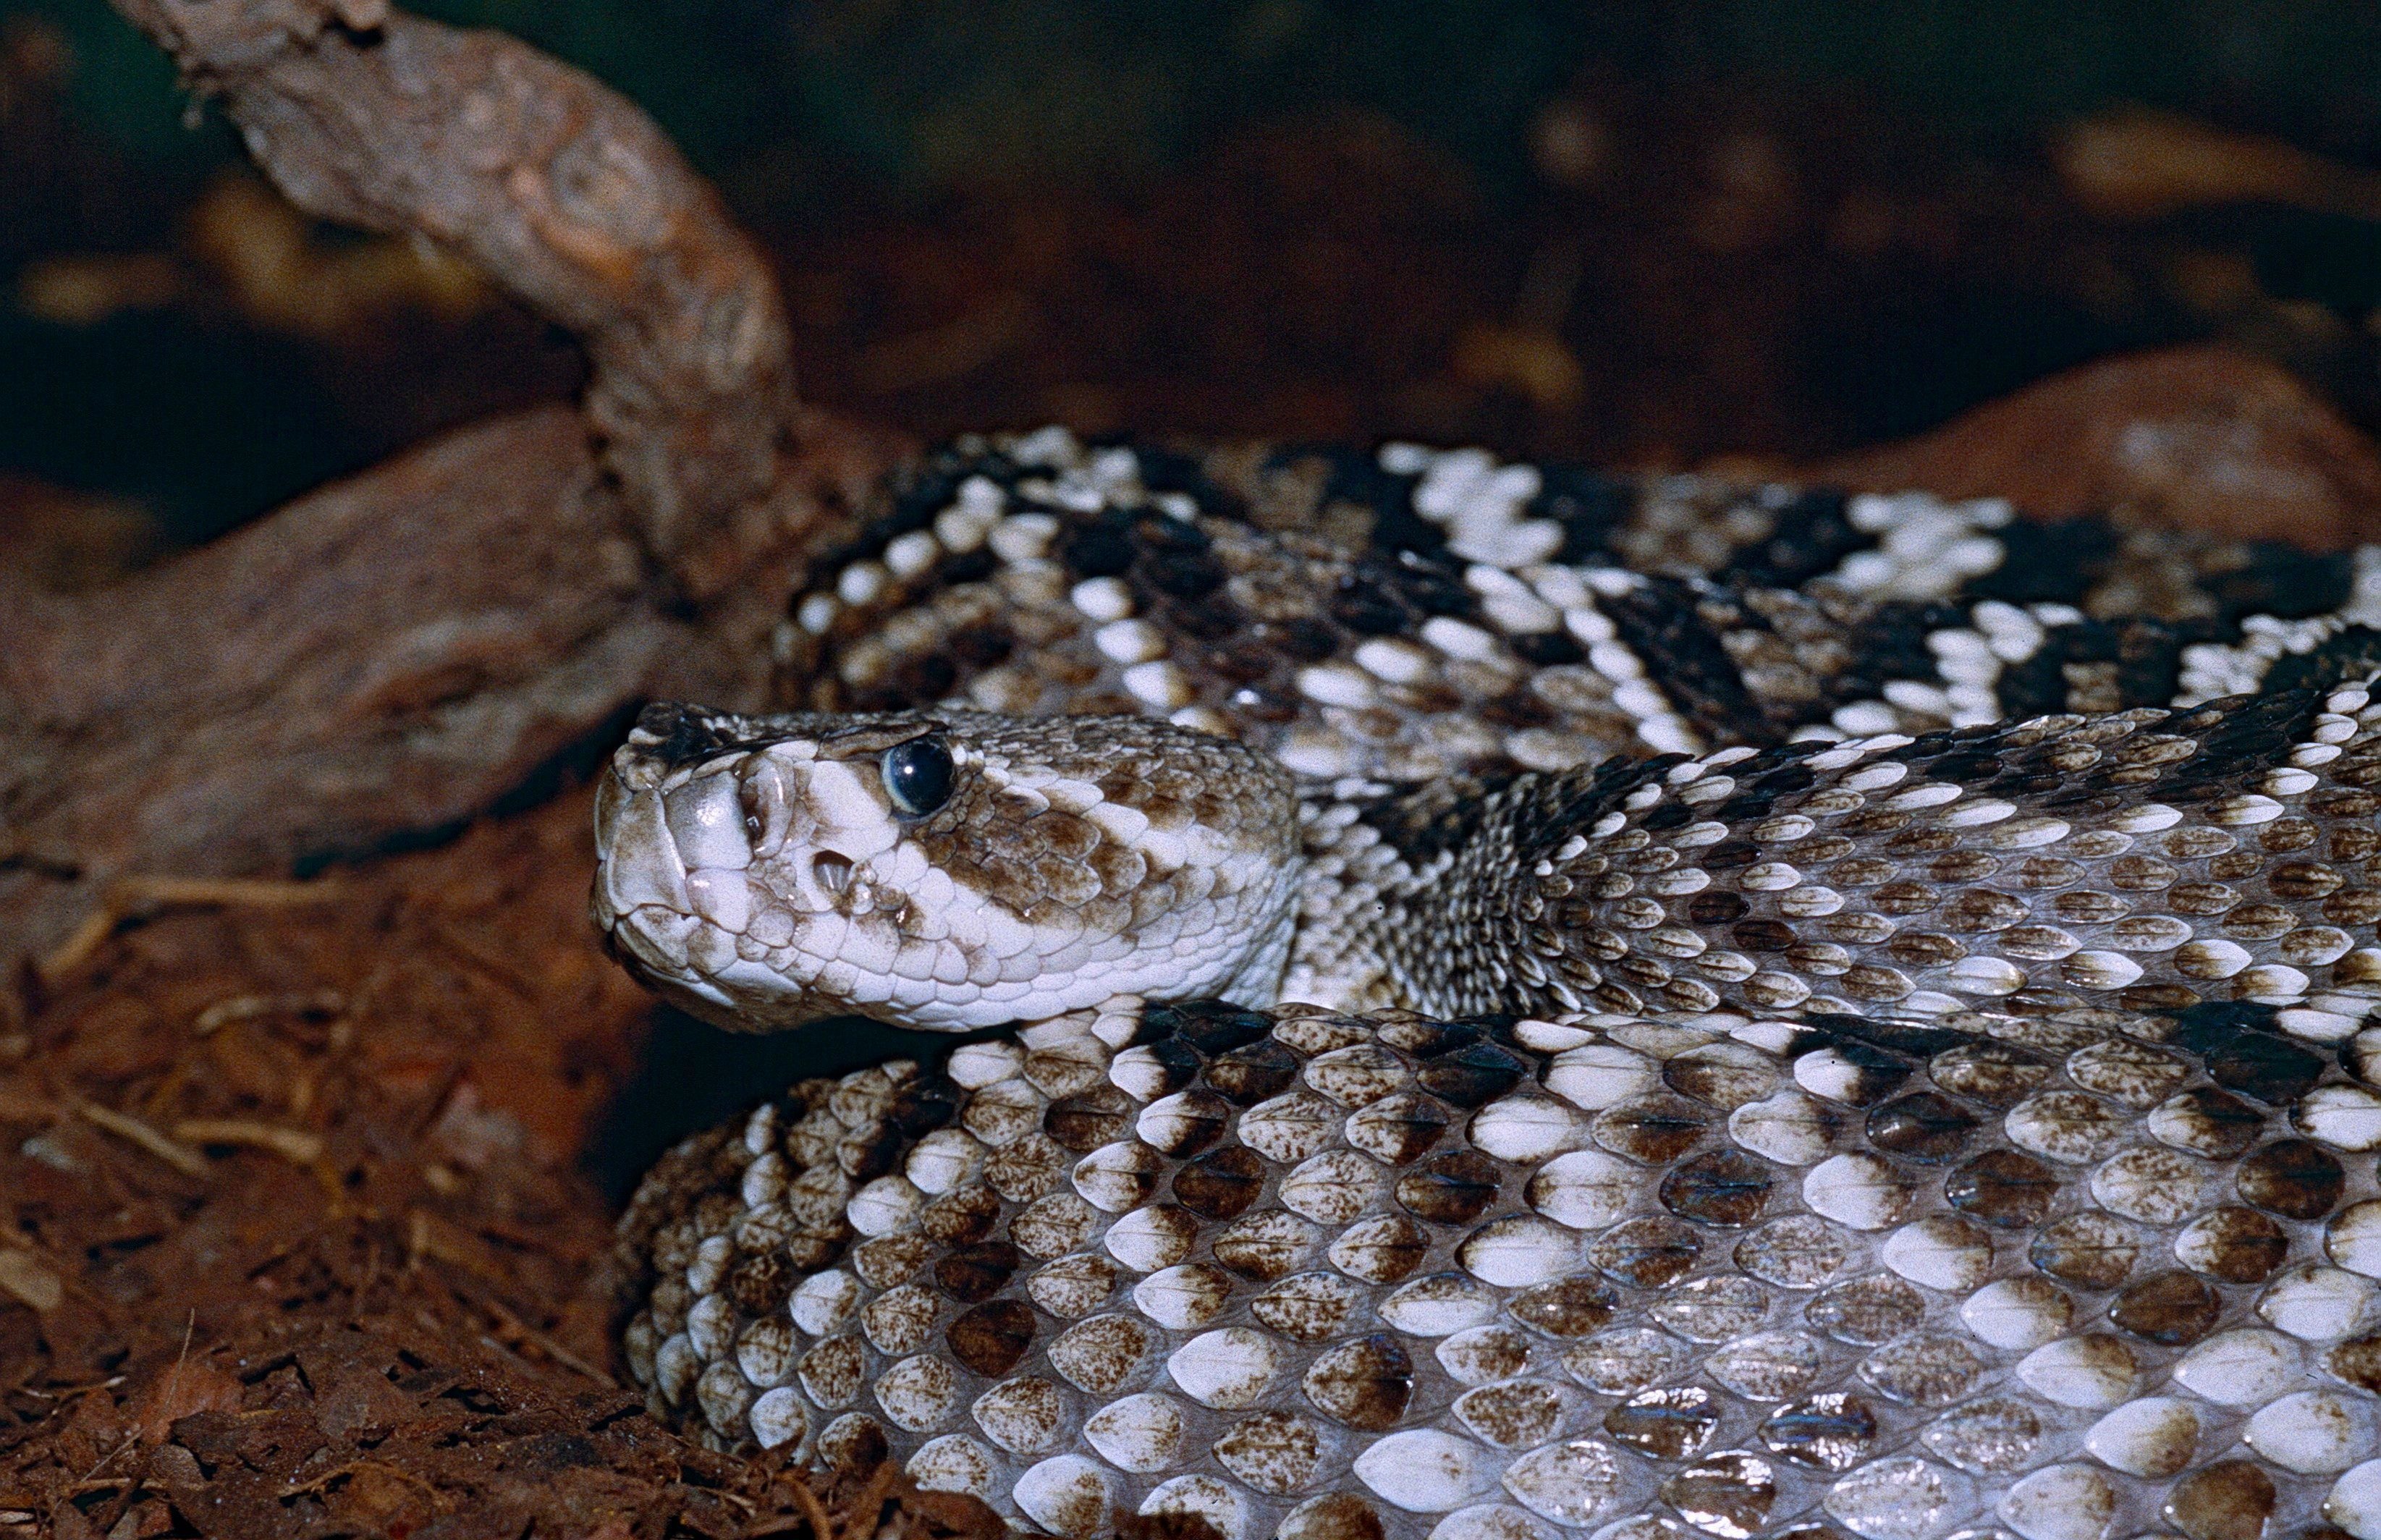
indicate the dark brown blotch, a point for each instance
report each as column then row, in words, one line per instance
column 1875, row 1074
column 1923, row 949
column 1923, row 1125
column 1763, row 935
column 2214, row 1123
column 869, row 1152
column 1924, row 1369
column 1866, row 1311
column 1450, row 1189
column 2264, row 1068
column 1178, row 1064
column 1834, row 1432
column 1221, row 1183
column 1651, row 1131
column 1399, row 1129
column 1730, row 1492
column 1387, row 1249
column 1249, row 1075
column 1668, row 1423
column 1978, row 909
column 1427, row 1039
column 1193, row 1123
column 1717, row 906
column 2174, row 1309
column 1364, row 1384
column 960, row 1218
column 976, row 1272
column 1963, row 869
column 2000, row 1075
column 2356, row 906
column 1570, row 1307
column 2239, row 1245
column 992, row 1338
column 2357, row 1362
column 2229, row 1501
column 1309, row 1307
column 924, row 1105
column 1334, row 1516
column 1472, row 1077
column 760, row 1285
column 2294, row 1178
column 1725, row 1188
column 2090, row 1250
column 2007, row 1188
column 1100, row 1115
column 1646, row 1253
column 1265, row 1245
column 1720, row 1080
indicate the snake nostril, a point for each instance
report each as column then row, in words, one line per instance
column 832, row 872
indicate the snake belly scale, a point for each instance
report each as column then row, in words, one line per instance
column 1509, row 1004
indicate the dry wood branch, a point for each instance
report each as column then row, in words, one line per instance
column 554, row 186
column 383, row 655
column 129, row 897
column 392, row 654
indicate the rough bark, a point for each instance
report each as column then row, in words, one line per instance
column 391, row 655
column 560, row 191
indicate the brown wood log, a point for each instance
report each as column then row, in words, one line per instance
column 388, row 655
column 556, row 188
column 392, row 654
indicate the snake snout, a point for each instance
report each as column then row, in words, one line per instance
column 636, row 861
column 706, row 818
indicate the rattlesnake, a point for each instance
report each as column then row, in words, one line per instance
column 1556, row 1006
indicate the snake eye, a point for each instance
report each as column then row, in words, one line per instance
column 917, row 774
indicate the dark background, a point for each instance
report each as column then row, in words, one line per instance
column 1641, row 234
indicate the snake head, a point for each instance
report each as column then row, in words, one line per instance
column 943, row 870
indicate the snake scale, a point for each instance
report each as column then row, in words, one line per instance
column 1508, row 1004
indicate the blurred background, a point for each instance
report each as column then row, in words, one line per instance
column 1641, row 234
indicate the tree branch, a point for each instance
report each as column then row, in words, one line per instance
column 555, row 188
column 393, row 653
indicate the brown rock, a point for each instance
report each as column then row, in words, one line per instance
column 2197, row 438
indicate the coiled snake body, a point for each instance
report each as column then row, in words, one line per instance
column 1551, row 1007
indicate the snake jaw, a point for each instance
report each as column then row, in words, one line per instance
column 760, row 872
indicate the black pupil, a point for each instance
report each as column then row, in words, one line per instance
column 918, row 775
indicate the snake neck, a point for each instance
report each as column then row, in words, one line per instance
column 2064, row 862
column 1429, row 899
